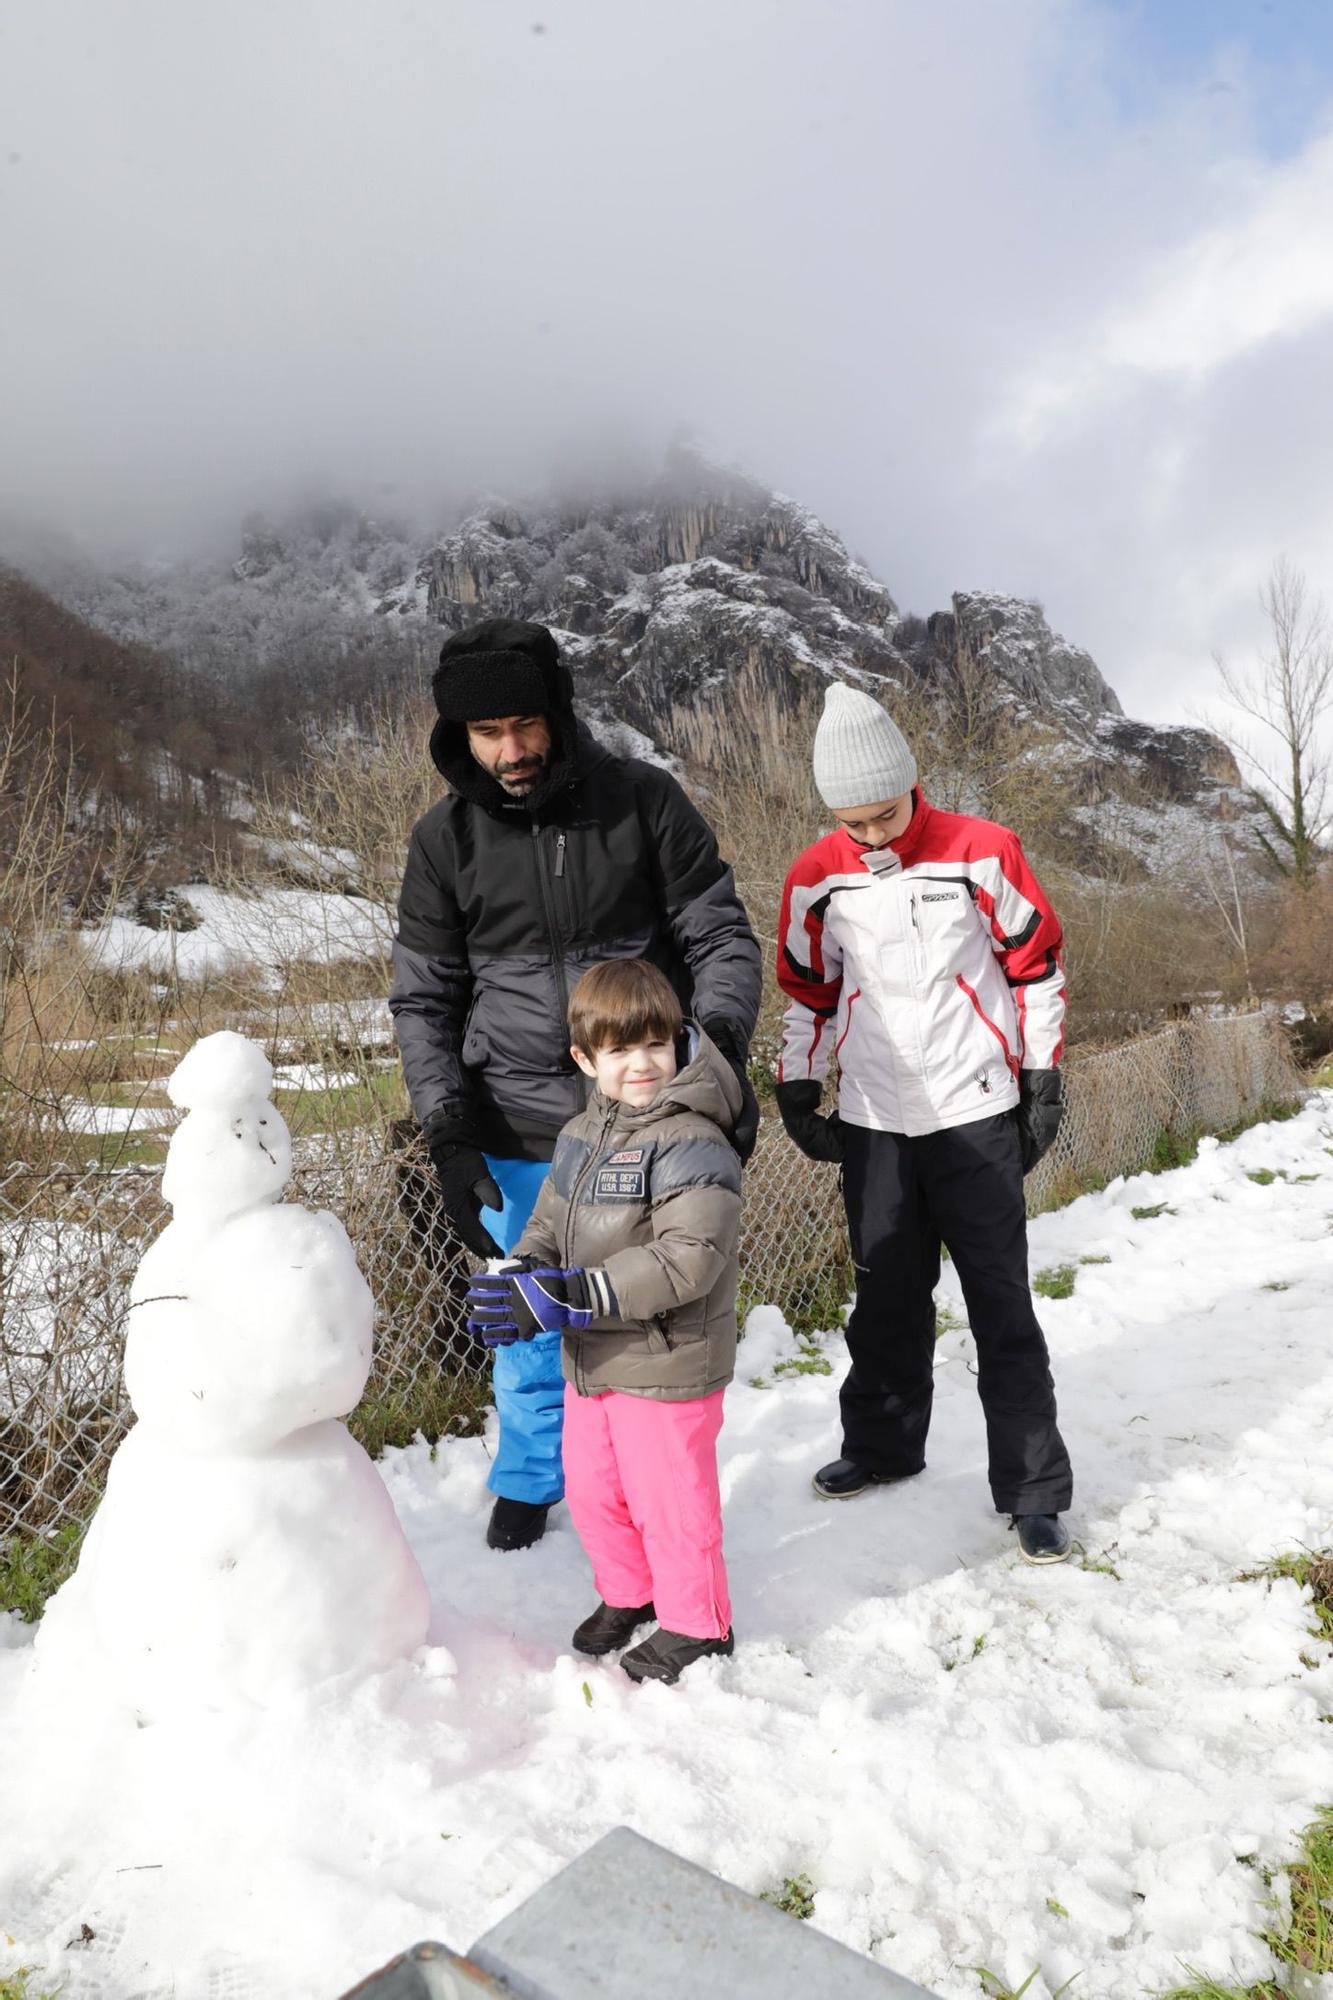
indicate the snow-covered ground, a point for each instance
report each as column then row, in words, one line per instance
column 975, row 1763
column 271, row 930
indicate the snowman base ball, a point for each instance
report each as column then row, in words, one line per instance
column 246, row 1545
column 208, row 1577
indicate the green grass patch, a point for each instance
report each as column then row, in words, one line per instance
column 32, row 1568
column 1055, row 1282
column 14, row 1986
column 948, row 1321
column 810, row 1360
column 369, row 1101
column 1094, row 1260
column 1304, row 1939
column 1100, row 1564
column 996, row 1988
column 1265, row 1176
column 1277, row 1285
column 395, row 1411
column 1312, row 1569
column 125, row 1149
column 1173, row 1149
column 1170, row 1148
column 795, row 1896
column 130, row 1094
column 1150, row 1214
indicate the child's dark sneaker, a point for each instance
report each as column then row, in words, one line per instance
column 664, row 1655
column 515, row 1524
column 610, row 1626
column 1042, row 1538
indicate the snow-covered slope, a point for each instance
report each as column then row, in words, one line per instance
column 1084, row 1769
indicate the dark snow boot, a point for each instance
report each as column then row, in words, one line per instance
column 515, row 1524
column 609, row 1628
column 1042, row 1538
column 664, row 1655
column 844, row 1479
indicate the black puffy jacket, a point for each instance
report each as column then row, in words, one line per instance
column 506, row 903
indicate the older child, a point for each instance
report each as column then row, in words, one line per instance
column 918, row 948
column 631, row 1252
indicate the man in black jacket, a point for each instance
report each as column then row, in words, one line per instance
column 547, row 855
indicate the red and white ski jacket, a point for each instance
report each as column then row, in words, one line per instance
column 929, row 968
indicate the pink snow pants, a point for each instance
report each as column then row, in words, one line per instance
column 641, row 1484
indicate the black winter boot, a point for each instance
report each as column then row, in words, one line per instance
column 610, row 1627
column 1042, row 1538
column 843, row 1479
column 515, row 1524
column 664, row 1655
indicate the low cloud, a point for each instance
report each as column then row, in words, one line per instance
column 918, row 266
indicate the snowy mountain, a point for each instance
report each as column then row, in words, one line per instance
column 668, row 599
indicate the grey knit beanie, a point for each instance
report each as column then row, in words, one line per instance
column 861, row 755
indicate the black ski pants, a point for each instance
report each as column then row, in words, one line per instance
column 904, row 1197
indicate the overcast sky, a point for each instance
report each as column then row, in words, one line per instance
column 1025, row 295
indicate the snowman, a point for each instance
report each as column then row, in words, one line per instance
column 246, row 1545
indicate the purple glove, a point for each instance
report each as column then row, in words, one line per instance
column 491, row 1317
column 516, row 1304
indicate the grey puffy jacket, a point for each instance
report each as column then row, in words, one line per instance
column 653, row 1198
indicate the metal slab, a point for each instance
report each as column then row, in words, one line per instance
column 428, row 1972
column 629, row 1919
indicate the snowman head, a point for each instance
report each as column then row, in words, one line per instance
column 233, row 1150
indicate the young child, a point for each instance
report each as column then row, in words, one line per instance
column 631, row 1251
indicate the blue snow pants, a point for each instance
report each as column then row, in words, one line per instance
column 529, row 1387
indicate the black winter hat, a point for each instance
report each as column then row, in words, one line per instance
column 501, row 667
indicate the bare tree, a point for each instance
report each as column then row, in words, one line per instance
column 1287, row 695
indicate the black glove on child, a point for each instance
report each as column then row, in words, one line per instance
column 1041, row 1106
column 728, row 1043
column 466, row 1186
column 819, row 1138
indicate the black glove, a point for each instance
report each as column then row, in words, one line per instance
column 1041, row 1106
column 466, row 1186
column 729, row 1043
column 819, row 1138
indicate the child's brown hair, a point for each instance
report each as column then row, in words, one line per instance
column 623, row 1000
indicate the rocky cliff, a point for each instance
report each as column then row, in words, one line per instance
column 668, row 600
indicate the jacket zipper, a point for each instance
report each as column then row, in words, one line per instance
column 918, row 942
column 917, row 966
column 580, row 1377
column 553, row 936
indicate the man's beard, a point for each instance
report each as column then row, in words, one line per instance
column 529, row 770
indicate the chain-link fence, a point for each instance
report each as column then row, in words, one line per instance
column 70, row 1243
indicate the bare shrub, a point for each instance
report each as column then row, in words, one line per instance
column 57, row 867
column 1286, row 697
column 342, row 820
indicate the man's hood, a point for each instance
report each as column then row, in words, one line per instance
column 574, row 750
column 448, row 739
